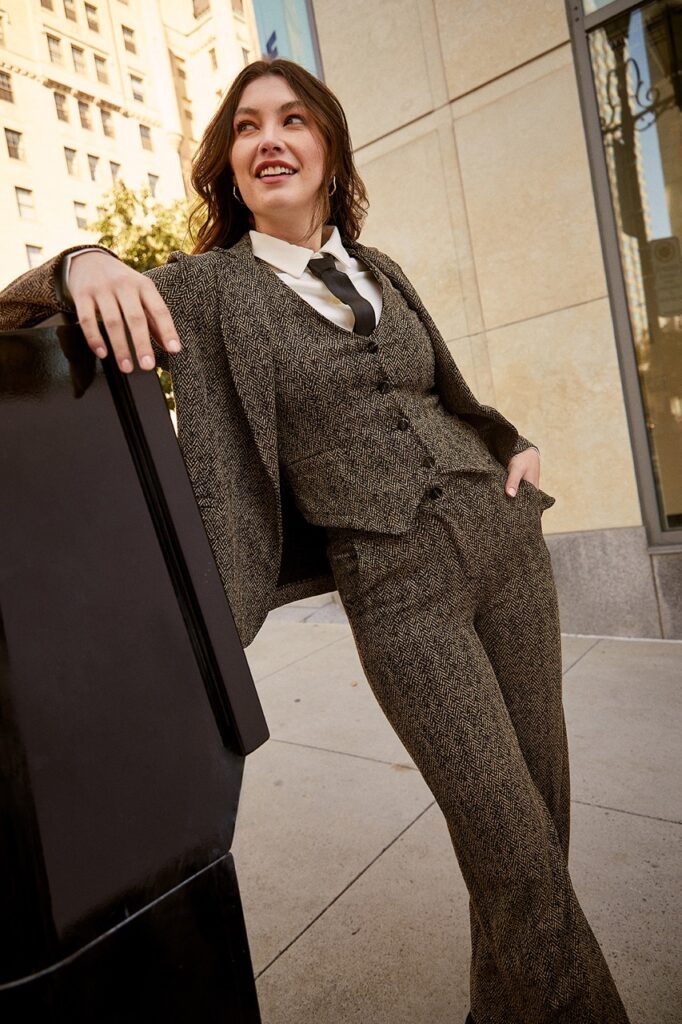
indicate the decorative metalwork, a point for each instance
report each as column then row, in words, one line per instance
column 648, row 100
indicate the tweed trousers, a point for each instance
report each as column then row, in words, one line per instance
column 457, row 628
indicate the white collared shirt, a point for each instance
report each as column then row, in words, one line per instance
column 290, row 263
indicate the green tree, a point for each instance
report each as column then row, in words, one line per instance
column 143, row 232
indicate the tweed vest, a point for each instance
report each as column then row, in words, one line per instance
column 362, row 432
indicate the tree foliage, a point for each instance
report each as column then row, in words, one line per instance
column 141, row 231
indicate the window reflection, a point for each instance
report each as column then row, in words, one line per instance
column 637, row 67
column 590, row 6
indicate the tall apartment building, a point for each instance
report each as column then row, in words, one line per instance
column 93, row 92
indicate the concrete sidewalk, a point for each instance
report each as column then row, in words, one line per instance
column 354, row 902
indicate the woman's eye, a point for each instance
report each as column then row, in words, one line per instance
column 245, row 124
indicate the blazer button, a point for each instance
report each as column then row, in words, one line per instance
column 435, row 492
column 372, row 346
column 403, row 423
column 384, row 386
column 428, row 461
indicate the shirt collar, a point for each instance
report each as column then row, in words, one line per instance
column 293, row 259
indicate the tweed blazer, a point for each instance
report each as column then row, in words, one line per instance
column 225, row 312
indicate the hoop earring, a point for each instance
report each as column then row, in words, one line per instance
column 238, row 198
column 334, row 184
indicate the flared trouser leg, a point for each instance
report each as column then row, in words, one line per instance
column 456, row 625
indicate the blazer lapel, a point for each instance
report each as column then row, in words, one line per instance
column 454, row 391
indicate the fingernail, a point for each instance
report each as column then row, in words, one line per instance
column 147, row 362
column 512, row 491
column 101, row 352
column 174, row 345
column 126, row 366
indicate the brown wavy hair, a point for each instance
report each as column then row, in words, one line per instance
column 223, row 219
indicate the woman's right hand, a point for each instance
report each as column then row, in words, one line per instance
column 122, row 296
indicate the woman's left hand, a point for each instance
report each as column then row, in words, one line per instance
column 524, row 466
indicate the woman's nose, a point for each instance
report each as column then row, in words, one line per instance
column 269, row 142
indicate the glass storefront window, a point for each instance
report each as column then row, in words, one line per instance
column 637, row 69
column 590, row 6
column 285, row 30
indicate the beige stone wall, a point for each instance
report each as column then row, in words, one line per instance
column 468, row 133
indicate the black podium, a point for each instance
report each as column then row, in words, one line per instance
column 126, row 707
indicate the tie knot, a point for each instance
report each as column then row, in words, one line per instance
column 319, row 264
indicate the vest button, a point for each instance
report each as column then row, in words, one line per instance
column 372, row 346
column 384, row 386
column 435, row 492
column 428, row 461
column 403, row 423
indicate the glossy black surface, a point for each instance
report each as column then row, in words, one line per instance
column 183, row 959
column 126, row 700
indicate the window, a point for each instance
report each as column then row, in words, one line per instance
column 101, row 210
column 25, row 202
column 70, row 157
column 47, row 4
column 213, row 58
column 128, row 39
column 180, row 67
column 61, row 107
column 91, row 15
column 93, row 161
column 246, row 56
column 101, row 69
column 153, row 180
column 136, row 84
column 6, row 87
column 80, row 210
column 34, row 255
column 238, row 7
column 15, row 144
column 630, row 89
column 114, row 168
column 70, row 10
column 200, row 7
column 54, row 48
column 78, row 56
column 107, row 123
column 84, row 114
column 146, row 136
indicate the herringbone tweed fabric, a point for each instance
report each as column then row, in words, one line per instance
column 227, row 311
column 457, row 627
column 451, row 600
column 361, row 428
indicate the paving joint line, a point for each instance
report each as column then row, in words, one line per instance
column 622, row 810
column 343, row 753
column 303, row 657
column 345, row 889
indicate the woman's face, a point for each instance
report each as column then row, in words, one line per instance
column 273, row 128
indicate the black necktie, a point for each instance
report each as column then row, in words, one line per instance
column 341, row 285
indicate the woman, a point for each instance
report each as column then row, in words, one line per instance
column 332, row 442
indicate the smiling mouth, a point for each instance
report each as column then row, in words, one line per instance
column 275, row 177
